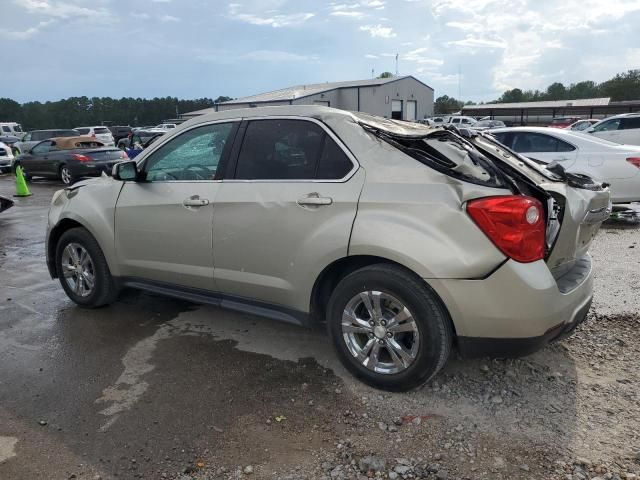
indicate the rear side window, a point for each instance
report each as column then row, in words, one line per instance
column 630, row 123
column 334, row 163
column 101, row 130
column 37, row 136
column 280, row 150
column 537, row 142
column 83, row 131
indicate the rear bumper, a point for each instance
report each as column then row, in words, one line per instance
column 517, row 309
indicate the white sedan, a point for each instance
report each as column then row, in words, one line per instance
column 618, row 165
column 6, row 158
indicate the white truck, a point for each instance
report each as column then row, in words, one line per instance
column 11, row 129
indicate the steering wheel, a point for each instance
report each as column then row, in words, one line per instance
column 187, row 171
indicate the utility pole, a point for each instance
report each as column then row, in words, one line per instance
column 373, row 75
column 396, row 64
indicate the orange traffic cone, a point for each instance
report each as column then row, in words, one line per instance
column 21, row 184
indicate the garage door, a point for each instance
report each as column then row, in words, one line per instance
column 411, row 110
column 396, row 109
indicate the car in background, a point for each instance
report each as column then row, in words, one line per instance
column 36, row 136
column 119, row 131
column 617, row 165
column 563, row 122
column 6, row 158
column 582, row 125
column 296, row 219
column 487, row 124
column 623, row 128
column 140, row 137
column 9, row 140
column 165, row 126
column 69, row 158
column 101, row 134
column 11, row 129
column 460, row 121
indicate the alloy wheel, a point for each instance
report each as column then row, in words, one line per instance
column 380, row 332
column 78, row 270
column 65, row 175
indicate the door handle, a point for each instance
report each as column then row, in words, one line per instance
column 315, row 200
column 195, row 201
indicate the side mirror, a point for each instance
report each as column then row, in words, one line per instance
column 125, row 171
column 589, row 130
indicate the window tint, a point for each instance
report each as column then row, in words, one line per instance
column 629, row 123
column 279, row 149
column 6, row 129
column 82, row 131
column 101, row 130
column 42, row 135
column 538, row 142
column 502, row 138
column 607, row 126
column 41, row 148
column 334, row 163
column 192, row 155
column 17, row 128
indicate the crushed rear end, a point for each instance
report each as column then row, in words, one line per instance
column 524, row 302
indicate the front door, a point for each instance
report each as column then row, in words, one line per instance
column 163, row 224
column 609, row 130
column 285, row 213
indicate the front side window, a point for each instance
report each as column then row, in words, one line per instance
column 17, row 128
column 280, row 150
column 192, row 155
column 607, row 126
column 6, row 129
column 27, row 137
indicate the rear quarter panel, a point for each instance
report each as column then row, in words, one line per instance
column 414, row 215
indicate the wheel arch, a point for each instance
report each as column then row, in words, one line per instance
column 332, row 274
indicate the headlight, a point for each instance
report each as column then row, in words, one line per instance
column 56, row 197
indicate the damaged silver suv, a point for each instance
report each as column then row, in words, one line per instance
column 406, row 240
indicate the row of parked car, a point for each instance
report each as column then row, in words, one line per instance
column 69, row 154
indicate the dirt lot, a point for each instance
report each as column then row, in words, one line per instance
column 157, row 388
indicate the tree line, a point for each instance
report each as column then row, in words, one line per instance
column 623, row 86
column 85, row 111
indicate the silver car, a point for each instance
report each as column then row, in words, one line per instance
column 406, row 240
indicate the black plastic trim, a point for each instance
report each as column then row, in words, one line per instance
column 474, row 347
column 231, row 302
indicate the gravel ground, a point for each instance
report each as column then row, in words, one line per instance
column 570, row 412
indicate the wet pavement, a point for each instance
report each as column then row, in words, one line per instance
column 153, row 387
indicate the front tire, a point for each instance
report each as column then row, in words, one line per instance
column 83, row 271
column 389, row 328
column 66, row 176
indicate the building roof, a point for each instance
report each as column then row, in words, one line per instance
column 582, row 102
column 300, row 91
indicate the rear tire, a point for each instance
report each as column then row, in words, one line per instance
column 83, row 271
column 66, row 176
column 389, row 328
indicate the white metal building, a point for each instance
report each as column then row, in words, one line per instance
column 405, row 98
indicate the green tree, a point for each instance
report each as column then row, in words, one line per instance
column 446, row 104
column 385, row 75
column 556, row 91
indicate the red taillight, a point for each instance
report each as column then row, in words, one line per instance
column 123, row 154
column 635, row 161
column 515, row 224
column 81, row 158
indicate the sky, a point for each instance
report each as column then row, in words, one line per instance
column 55, row 49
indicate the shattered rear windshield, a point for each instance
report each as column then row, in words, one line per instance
column 447, row 153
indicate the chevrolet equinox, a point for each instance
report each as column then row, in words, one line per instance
column 406, row 240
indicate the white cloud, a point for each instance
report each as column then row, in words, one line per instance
column 276, row 20
column 168, row 18
column 24, row 34
column 141, row 15
column 347, row 13
column 60, row 9
column 378, row 31
column 418, row 56
column 276, row 56
column 368, row 55
column 474, row 41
